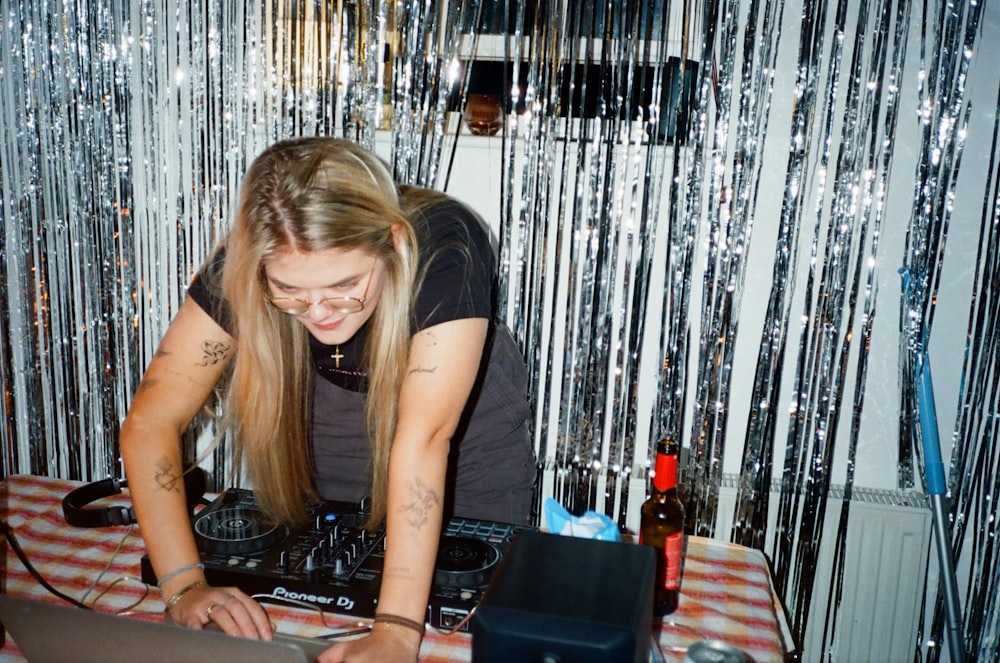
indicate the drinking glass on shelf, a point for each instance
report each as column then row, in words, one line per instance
column 483, row 114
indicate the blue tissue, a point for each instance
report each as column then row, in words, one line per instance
column 589, row 525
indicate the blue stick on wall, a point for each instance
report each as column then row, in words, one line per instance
column 937, row 491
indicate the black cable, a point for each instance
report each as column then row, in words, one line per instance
column 9, row 534
column 361, row 630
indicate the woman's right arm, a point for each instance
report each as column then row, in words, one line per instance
column 185, row 369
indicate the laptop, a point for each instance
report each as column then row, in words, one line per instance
column 52, row 632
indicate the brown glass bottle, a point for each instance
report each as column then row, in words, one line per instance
column 662, row 527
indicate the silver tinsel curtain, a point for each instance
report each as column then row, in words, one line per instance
column 702, row 207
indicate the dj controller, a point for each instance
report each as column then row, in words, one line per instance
column 334, row 563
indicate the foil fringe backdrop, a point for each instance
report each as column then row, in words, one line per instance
column 127, row 128
column 948, row 46
column 974, row 479
column 846, row 216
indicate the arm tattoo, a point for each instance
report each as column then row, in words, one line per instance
column 422, row 500
column 167, row 478
column 430, row 341
column 401, row 572
column 214, row 352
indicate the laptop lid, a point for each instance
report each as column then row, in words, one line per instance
column 52, row 632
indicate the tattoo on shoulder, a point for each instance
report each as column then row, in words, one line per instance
column 214, row 352
column 428, row 340
column 422, row 499
column 167, row 478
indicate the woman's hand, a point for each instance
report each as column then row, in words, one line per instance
column 387, row 643
column 229, row 609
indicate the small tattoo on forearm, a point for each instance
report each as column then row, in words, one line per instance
column 215, row 352
column 422, row 369
column 399, row 572
column 167, row 478
column 422, row 500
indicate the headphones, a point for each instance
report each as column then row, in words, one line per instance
column 76, row 513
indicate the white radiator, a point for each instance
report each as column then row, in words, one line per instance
column 888, row 537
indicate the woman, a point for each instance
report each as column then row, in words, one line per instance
column 352, row 322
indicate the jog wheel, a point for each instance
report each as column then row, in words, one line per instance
column 464, row 562
column 236, row 530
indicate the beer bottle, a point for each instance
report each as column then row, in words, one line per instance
column 662, row 527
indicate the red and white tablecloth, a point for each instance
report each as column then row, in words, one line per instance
column 726, row 593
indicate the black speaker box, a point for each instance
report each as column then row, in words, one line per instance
column 559, row 599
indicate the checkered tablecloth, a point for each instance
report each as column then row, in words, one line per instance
column 726, row 591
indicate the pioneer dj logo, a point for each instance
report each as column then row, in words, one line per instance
column 341, row 602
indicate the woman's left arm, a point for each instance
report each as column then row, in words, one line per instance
column 444, row 362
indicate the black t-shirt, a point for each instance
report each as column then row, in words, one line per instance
column 455, row 280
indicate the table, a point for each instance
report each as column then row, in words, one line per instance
column 726, row 590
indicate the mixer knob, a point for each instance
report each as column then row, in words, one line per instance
column 338, row 567
column 283, row 560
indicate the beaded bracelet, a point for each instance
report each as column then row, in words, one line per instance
column 388, row 618
column 177, row 572
column 184, row 590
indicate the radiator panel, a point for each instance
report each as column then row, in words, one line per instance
column 887, row 543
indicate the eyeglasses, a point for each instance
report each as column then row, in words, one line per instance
column 293, row 306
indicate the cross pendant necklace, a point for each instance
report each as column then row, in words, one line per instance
column 336, row 357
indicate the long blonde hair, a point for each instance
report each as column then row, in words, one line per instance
column 312, row 194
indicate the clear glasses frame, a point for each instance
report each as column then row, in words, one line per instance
column 343, row 304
